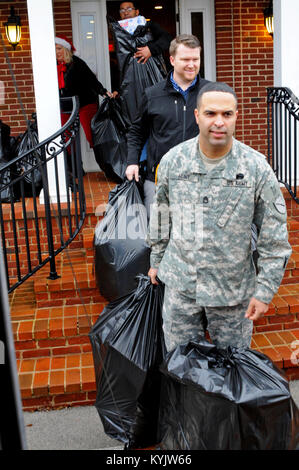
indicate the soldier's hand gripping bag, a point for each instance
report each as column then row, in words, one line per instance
column 109, row 129
column 128, row 347
column 120, row 248
column 233, row 399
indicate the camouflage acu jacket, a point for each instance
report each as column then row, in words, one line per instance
column 200, row 226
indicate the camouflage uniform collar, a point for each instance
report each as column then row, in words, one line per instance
column 227, row 167
column 198, row 165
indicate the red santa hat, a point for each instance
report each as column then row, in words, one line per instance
column 65, row 42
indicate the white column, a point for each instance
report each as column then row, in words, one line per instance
column 286, row 62
column 286, row 69
column 41, row 27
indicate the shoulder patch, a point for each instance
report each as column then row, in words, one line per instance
column 280, row 205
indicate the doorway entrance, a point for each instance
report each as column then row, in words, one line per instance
column 165, row 16
column 176, row 17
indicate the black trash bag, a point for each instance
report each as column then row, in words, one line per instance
column 233, row 399
column 6, row 192
column 4, row 141
column 32, row 176
column 134, row 76
column 128, row 347
column 7, row 153
column 109, row 129
column 120, row 249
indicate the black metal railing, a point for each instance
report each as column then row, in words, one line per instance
column 34, row 232
column 283, row 122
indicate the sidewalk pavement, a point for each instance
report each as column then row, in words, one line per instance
column 79, row 428
column 74, row 428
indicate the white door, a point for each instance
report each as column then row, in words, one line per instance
column 198, row 17
column 90, row 39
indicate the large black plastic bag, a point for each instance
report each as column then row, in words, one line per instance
column 128, row 347
column 234, row 399
column 6, row 192
column 29, row 164
column 7, row 153
column 134, row 76
column 109, row 139
column 120, row 249
column 5, row 176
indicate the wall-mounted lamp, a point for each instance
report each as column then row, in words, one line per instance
column 269, row 18
column 13, row 28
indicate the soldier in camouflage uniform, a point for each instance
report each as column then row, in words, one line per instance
column 210, row 190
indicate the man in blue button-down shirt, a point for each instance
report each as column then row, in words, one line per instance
column 167, row 113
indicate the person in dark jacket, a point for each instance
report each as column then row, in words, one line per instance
column 139, row 45
column 167, row 113
column 75, row 78
column 161, row 38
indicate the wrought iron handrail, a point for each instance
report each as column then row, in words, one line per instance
column 34, row 234
column 283, row 122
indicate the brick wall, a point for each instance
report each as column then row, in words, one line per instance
column 10, row 110
column 244, row 51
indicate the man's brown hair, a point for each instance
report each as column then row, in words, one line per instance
column 188, row 40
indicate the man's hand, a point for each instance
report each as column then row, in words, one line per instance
column 112, row 95
column 143, row 54
column 153, row 275
column 256, row 309
column 132, row 171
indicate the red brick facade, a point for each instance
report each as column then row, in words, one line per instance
column 10, row 111
column 244, row 59
column 244, row 55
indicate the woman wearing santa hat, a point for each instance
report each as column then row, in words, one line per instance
column 76, row 79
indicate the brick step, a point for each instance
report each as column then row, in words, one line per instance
column 88, row 244
column 53, row 346
column 76, row 282
column 283, row 313
column 282, row 347
column 57, row 381
column 54, row 331
column 291, row 275
column 77, row 244
column 69, row 379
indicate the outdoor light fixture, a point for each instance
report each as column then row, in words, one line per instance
column 269, row 18
column 13, row 28
column 158, row 7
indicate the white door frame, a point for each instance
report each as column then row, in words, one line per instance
column 98, row 8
